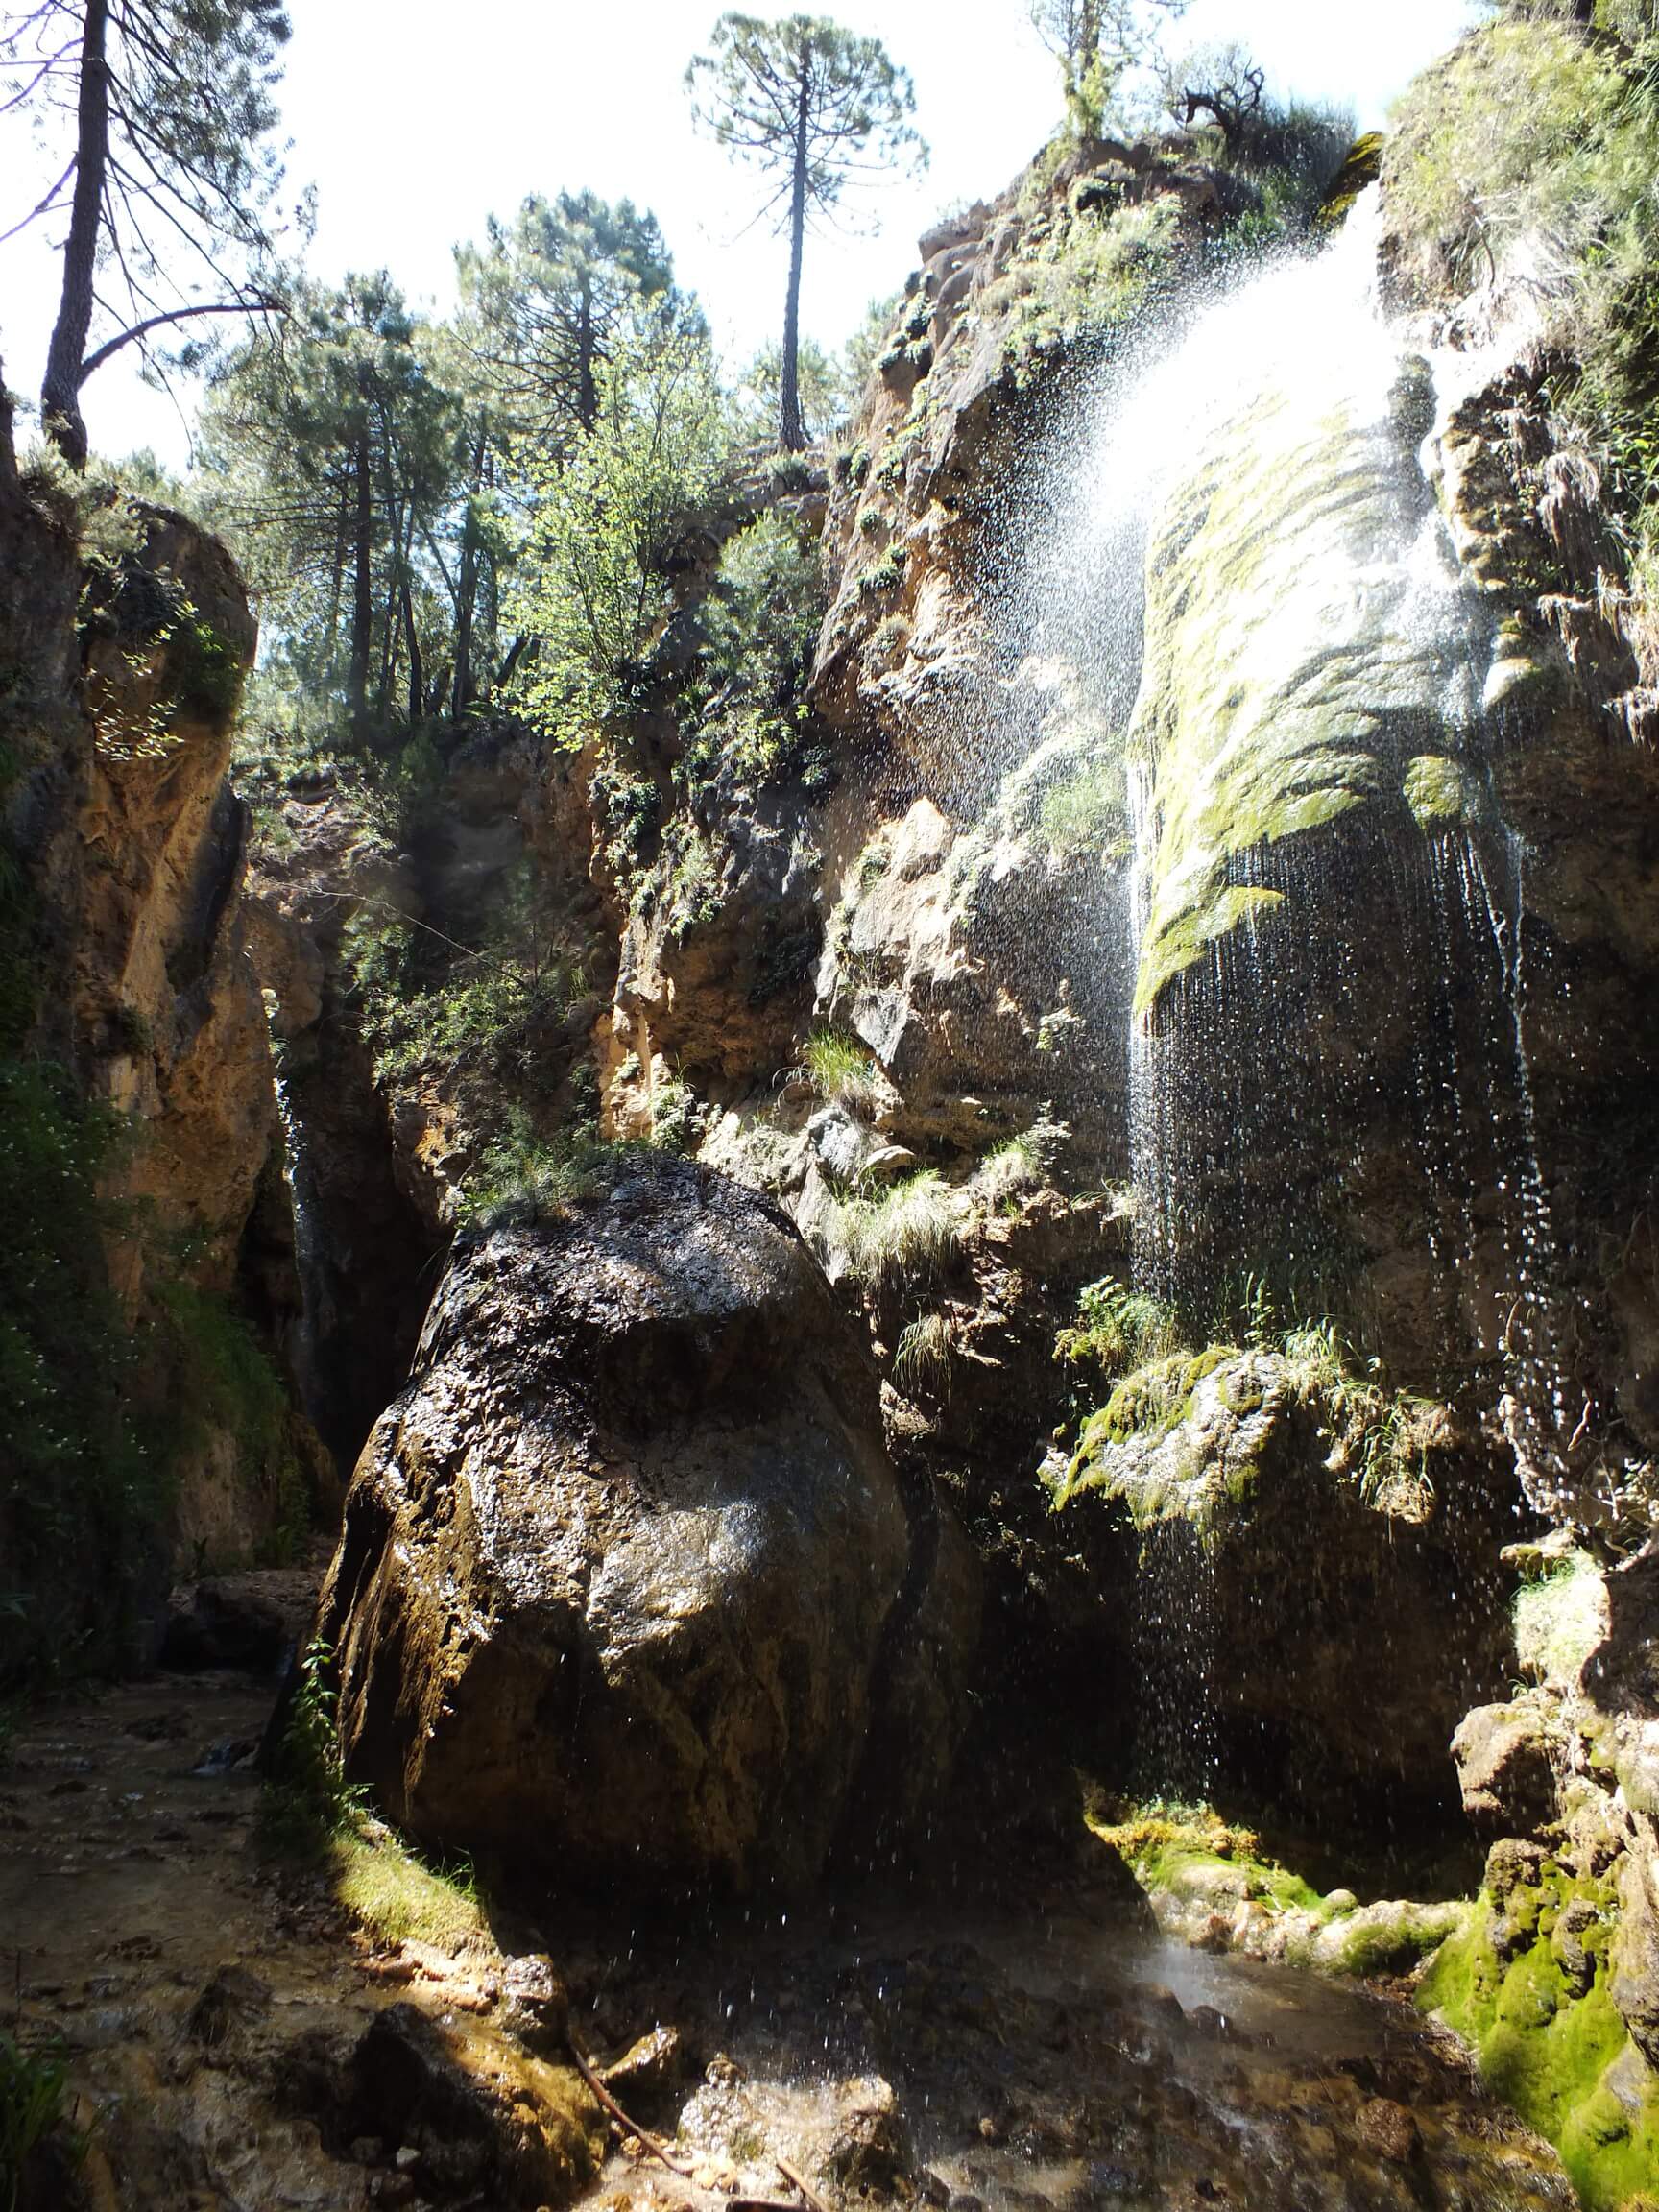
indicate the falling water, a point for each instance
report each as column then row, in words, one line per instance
column 1239, row 1086
column 308, row 1263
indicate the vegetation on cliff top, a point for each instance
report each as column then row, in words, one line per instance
column 1529, row 154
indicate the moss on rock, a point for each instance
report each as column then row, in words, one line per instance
column 1524, row 1980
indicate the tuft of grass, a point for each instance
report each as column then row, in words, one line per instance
column 1022, row 1166
column 400, row 1898
column 1560, row 1619
column 926, row 1356
column 906, row 1235
column 841, row 1069
column 34, row 2105
column 521, row 1180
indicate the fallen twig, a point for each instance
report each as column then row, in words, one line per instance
column 814, row 2202
column 640, row 2134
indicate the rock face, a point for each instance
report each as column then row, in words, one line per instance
column 626, row 1575
column 1301, row 1626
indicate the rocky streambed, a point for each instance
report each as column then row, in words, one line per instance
column 242, row 2029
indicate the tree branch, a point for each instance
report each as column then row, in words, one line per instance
column 264, row 304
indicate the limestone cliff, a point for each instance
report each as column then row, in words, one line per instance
column 146, row 1427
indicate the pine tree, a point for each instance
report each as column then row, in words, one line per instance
column 164, row 110
column 817, row 107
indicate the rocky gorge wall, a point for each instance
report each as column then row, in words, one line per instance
column 1162, row 1047
column 150, row 1250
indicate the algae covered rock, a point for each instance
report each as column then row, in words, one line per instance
column 1320, row 1597
column 627, row 1583
column 1506, row 1767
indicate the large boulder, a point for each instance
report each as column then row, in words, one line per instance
column 627, row 1581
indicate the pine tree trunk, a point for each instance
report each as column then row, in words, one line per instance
column 467, row 584
column 587, row 388
column 61, row 392
column 790, row 432
column 362, row 593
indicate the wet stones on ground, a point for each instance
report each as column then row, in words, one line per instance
column 235, row 2039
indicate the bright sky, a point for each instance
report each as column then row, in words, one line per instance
column 416, row 119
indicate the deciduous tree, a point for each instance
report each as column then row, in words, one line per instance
column 1097, row 44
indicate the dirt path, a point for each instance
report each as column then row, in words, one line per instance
column 239, row 2041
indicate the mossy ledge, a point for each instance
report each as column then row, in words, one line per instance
column 1524, row 1980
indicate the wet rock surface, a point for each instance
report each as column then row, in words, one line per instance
column 236, row 2038
column 627, row 1577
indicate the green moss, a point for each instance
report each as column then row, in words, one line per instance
column 1545, row 2049
column 1560, row 1619
column 1440, row 792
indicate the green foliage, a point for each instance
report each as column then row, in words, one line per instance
column 81, row 1489
column 841, row 1069
column 34, row 2105
column 221, row 1378
column 1379, row 1439
column 309, row 1801
column 400, row 1898
column 1092, row 273
column 594, row 591
column 1159, row 1839
column 550, row 295
column 816, row 108
column 924, row 1361
column 825, row 398
column 747, row 699
column 1560, row 1618
column 907, row 1234
column 1117, row 1328
column 1536, row 146
column 674, row 1124
column 332, row 458
column 1020, row 1166
column 522, row 1179
column 1099, row 45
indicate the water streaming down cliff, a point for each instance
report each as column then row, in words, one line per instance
column 1325, row 1019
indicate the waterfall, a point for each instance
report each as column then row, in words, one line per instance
column 308, row 1261
column 1252, row 575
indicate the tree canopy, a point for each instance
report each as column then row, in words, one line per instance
column 817, row 108
column 160, row 112
column 1097, row 44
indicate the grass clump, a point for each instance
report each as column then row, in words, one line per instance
column 842, row 1069
column 312, row 1815
column 924, row 1362
column 521, row 1179
column 400, row 1898
column 35, row 2107
column 1560, row 1618
column 907, row 1234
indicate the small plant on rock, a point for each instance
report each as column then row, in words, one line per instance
column 926, row 1356
column 906, row 1236
column 841, row 1069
